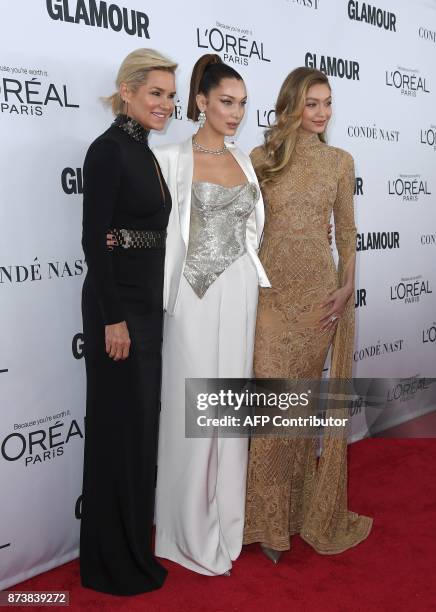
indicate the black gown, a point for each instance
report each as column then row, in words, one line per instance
column 121, row 190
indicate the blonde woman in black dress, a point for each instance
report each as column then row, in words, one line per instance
column 122, row 321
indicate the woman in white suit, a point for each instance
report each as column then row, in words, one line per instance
column 212, row 276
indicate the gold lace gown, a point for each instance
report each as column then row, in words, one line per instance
column 289, row 491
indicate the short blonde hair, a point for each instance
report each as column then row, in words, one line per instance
column 134, row 72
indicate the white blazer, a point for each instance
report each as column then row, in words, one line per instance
column 177, row 165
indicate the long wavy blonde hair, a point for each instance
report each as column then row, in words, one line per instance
column 281, row 137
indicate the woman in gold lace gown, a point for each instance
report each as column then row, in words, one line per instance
column 309, row 307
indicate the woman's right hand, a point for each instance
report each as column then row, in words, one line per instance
column 117, row 341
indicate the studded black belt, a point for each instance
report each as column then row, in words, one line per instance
column 140, row 239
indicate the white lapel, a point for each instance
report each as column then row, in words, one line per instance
column 185, row 173
column 249, row 172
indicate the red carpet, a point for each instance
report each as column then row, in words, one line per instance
column 392, row 480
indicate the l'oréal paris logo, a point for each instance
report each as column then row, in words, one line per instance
column 408, row 82
column 236, row 45
column 31, row 97
column 40, row 440
column 429, row 334
column 409, row 187
column 410, row 290
column 265, row 117
column 428, row 137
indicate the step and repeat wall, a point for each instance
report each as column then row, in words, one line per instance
column 57, row 58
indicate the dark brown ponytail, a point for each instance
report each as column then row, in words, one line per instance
column 207, row 73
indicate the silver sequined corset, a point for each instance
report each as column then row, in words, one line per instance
column 217, row 235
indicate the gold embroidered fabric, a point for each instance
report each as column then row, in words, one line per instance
column 289, row 491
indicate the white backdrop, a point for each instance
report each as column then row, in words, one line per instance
column 56, row 59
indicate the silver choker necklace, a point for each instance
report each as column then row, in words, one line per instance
column 198, row 147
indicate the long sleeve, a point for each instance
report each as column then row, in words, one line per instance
column 343, row 210
column 345, row 235
column 102, row 174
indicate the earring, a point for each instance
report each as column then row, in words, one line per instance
column 202, row 119
column 126, row 107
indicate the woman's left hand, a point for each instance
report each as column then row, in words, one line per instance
column 335, row 307
column 111, row 241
